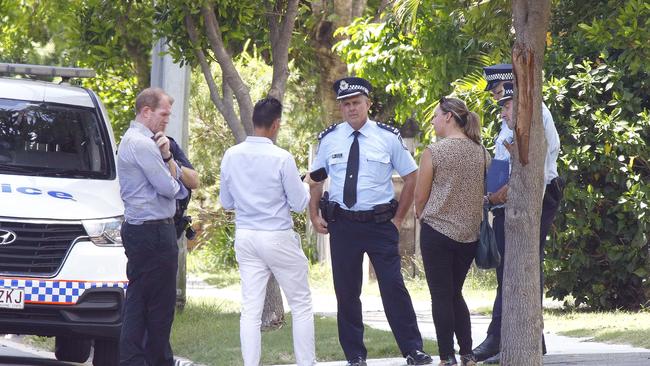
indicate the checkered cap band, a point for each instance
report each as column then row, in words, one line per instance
column 499, row 76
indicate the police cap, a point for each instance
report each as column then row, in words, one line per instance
column 496, row 73
column 351, row 86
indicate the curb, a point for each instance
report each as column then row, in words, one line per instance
column 17, row 344
column 180, row 361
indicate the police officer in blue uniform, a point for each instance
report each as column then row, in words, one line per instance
column 362, row 216
column 499, row 78
column 190, row 179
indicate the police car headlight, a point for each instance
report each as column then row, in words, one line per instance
column 104, row 232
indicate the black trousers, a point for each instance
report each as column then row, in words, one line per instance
column 349, row 240
column 152, row 255
column 550, row 205
column 446, row 263
column 498, row 224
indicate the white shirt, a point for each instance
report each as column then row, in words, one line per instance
column 552, row 147
column 260, row 181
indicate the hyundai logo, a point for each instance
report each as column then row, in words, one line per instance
column 7, row 237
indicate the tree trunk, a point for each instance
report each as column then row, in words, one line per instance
column 331, row 15
column 273, row 313
column 522, row 317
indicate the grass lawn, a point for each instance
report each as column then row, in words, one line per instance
column 609, row 327
column 479, row 289
column 207, row 331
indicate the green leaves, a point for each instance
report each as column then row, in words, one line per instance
column 601, row 230
column 419, row 46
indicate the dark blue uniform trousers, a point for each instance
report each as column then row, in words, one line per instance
column 152, row 255
column 552, row 197
column 349, row 240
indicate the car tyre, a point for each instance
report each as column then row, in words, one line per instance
column 71, row 349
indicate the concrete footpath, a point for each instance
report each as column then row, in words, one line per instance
column 562, row 350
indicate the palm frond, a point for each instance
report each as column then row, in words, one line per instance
column 406, row 13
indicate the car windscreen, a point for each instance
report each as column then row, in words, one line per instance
column 52, row 140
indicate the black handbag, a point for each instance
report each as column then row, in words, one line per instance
column 487, row 252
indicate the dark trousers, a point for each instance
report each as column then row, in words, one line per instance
column 498, row 223
column 446, row 263
column 550, row 205
column 349, row 240
column 152, row 255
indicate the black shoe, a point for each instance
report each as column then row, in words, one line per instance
column 417, row 357
column 448, row 361
column 543, row 345
column 494, row 360
column 357, row 361
column 488, row 348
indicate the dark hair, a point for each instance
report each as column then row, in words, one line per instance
column 468, row 121
column 151, row 97
column 266, row 111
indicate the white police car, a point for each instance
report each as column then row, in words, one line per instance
column 62, row 265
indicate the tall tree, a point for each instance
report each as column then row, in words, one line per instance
column 200, row 33
column 331, row 15
column 522, row 312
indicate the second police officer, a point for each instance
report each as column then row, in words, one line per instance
column 500, row 83
column 362, row 216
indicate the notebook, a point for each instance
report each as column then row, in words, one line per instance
column 498, row 174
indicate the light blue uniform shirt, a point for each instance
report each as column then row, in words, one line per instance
column 500, row 151
column 147, row 187
column 260, row 181
column 380, row 151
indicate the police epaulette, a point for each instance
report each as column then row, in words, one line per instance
column 327, row 130
column 390, row 128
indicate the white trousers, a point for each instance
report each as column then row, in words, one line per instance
column 260, row 253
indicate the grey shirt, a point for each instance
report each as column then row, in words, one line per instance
column 147, row 187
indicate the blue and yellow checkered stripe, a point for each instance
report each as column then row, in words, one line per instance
column 39, row 291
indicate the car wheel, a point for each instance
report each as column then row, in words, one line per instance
column 71, row 349
column 107, row 352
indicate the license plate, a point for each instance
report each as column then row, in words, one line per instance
column 12, row 298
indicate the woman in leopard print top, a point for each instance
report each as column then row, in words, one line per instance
column 448, row 200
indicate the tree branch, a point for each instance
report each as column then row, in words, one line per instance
column 228, row 69
column 272, row 17
column 224, row 106
column 280, row 43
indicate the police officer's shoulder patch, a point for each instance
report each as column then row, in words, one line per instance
column 393, row 130
column 329, row 129
column 390, row 128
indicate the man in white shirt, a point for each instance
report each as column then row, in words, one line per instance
column 260, row 181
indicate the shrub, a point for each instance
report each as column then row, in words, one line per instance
column 598, row 250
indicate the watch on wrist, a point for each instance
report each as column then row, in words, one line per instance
column 170, row 157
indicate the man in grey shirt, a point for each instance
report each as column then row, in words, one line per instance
column 150, row 183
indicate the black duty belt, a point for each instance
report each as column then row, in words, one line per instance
column 168, row 220
column 359, row 216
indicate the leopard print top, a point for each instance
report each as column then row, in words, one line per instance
column 455, row 205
